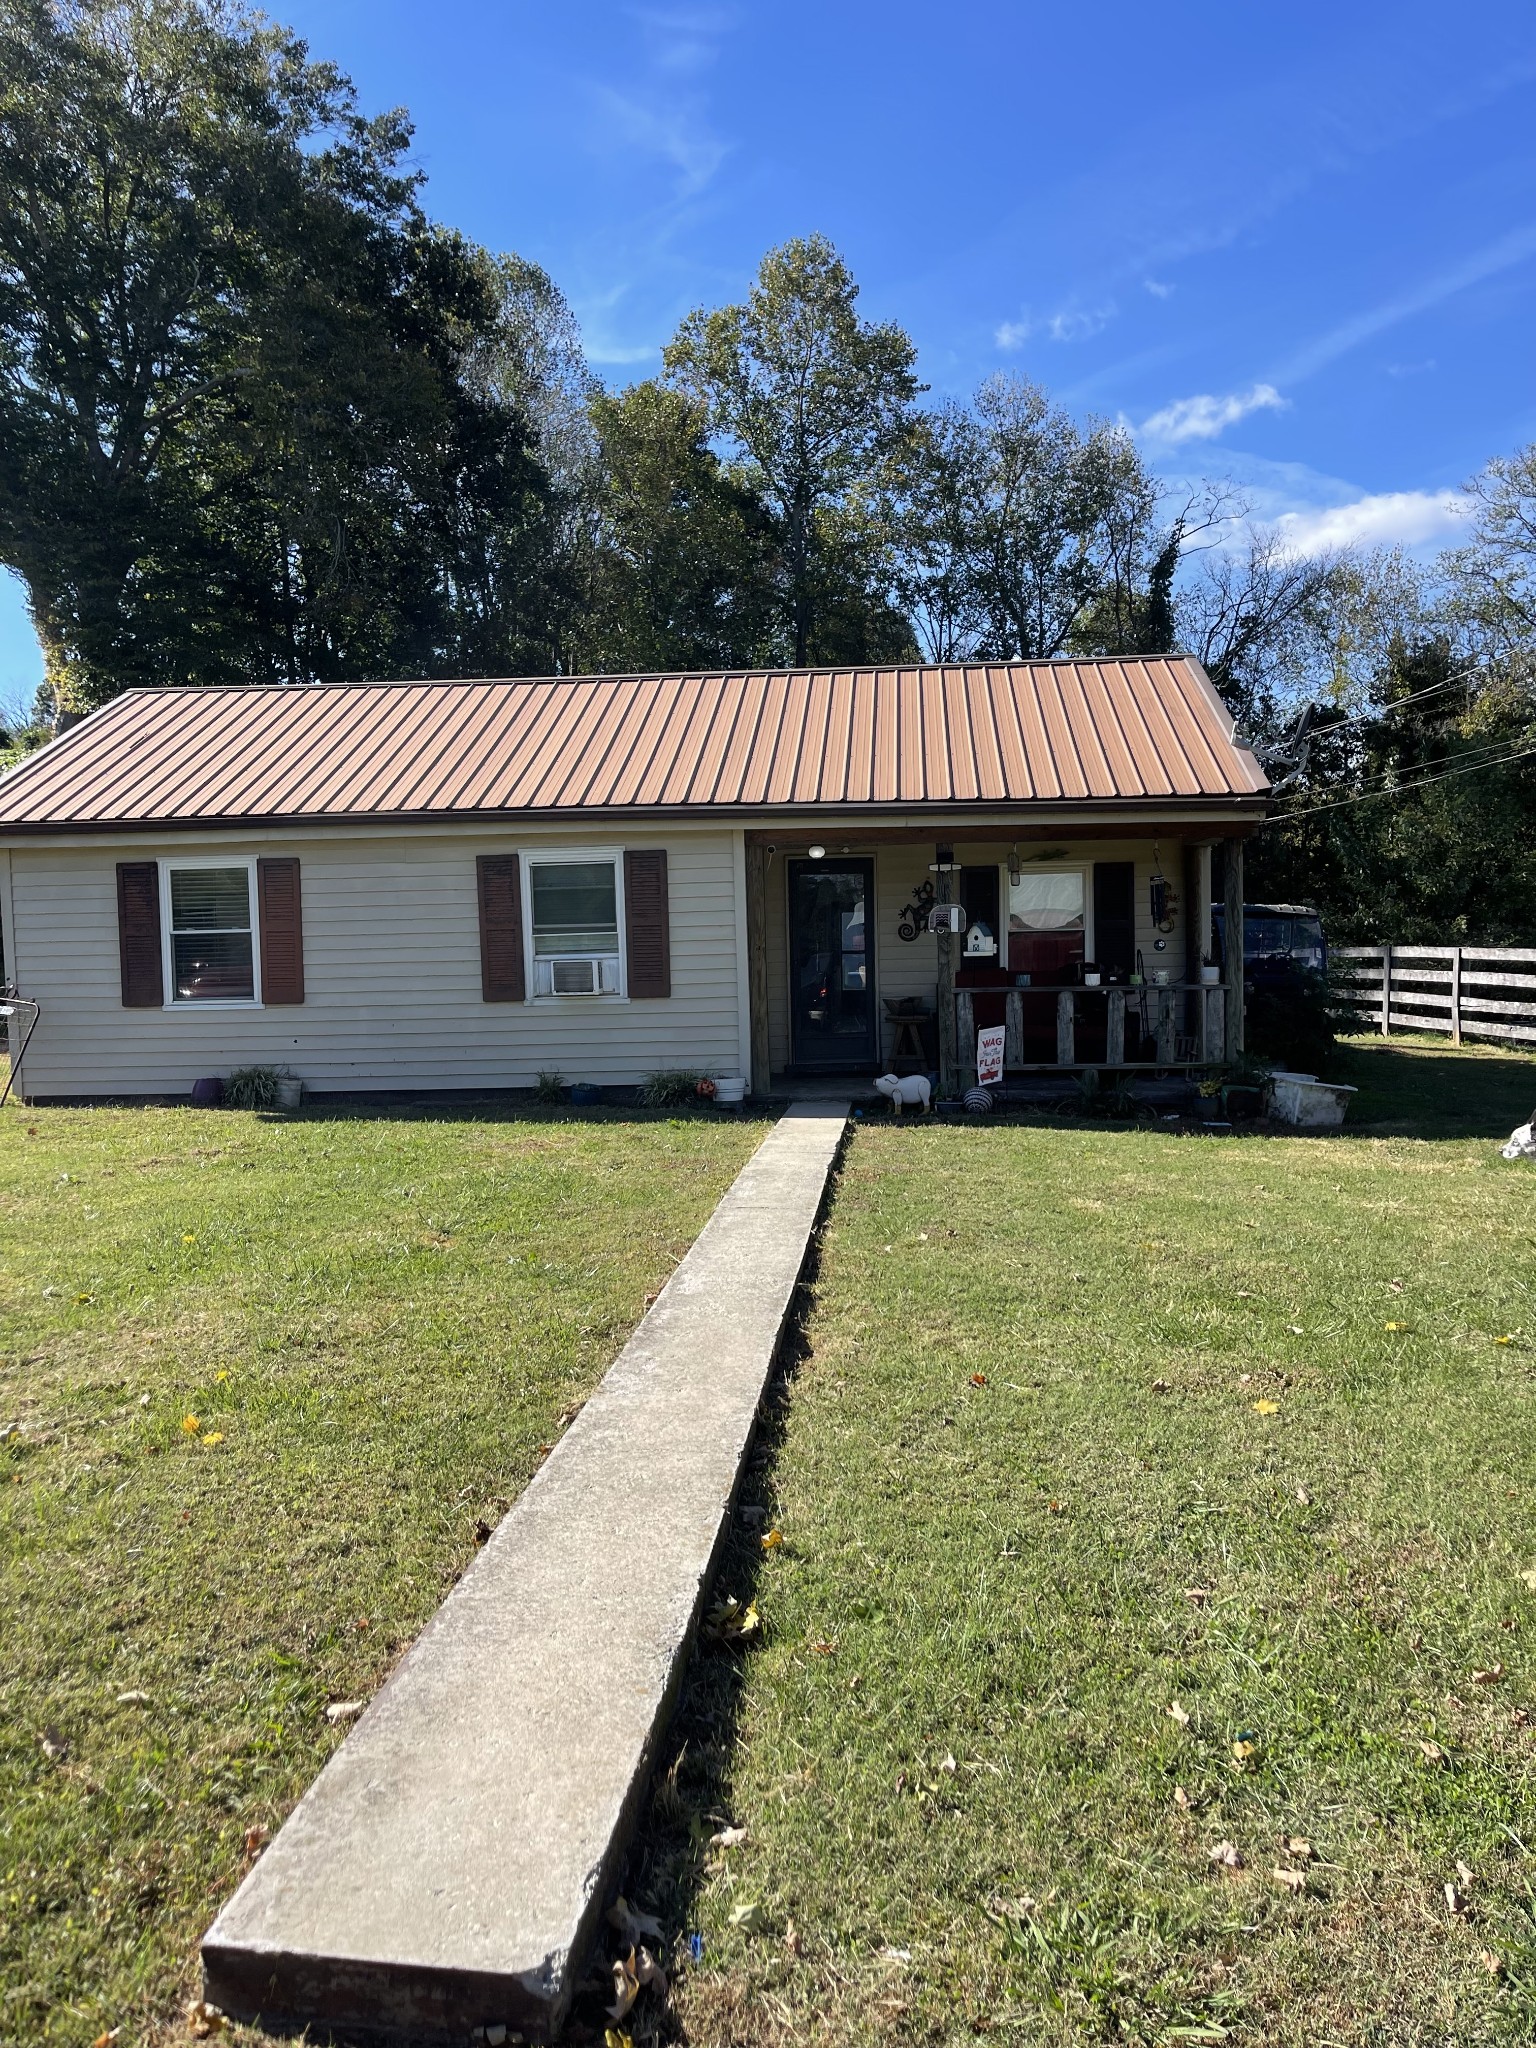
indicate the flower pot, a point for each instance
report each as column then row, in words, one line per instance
column 730, row 1089
column 1209, row 977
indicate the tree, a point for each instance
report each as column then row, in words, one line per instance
column 1491, row 581
column 683, row 563
column 1027, row 536
column 236, row 438
column 813, row 405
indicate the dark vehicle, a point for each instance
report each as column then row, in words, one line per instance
column 1280, row 940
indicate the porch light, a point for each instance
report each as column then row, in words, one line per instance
column 817, row 852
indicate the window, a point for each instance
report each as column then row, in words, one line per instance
column 1047, row 923
column 209, row 931
column 575, row 923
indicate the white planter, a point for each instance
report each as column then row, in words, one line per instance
column 1306, row 1102
column 290, row 1092
column 730, row 1089
column 1209, row 976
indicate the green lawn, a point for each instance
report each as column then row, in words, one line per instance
column 1140, row 1494
column 259, row 1381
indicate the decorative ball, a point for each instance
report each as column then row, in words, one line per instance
column 706, row 1088
column 977, row 1100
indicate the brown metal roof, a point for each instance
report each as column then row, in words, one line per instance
column 996, row 733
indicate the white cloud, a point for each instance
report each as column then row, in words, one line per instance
column 1381, row 519
column 1157, row 288
column 1068, row 323
column 1205, row 416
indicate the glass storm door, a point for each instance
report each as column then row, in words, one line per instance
column 831, row 964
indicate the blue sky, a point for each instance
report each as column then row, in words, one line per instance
column 1294, row 246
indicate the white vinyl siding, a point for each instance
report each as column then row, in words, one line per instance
column 392, row 973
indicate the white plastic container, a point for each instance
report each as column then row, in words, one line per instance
column 730, row 1089
column 1306, row 1102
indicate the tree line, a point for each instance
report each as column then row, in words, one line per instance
column 262, row 420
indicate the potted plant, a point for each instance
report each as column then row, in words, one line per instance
column 1210, row 971
column 1091, row 975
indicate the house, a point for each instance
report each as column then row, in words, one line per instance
column 431, row 885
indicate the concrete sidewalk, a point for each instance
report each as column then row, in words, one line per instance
column 448, row 1867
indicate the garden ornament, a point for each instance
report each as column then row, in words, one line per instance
column 903, row 1091
column 1522, row 1142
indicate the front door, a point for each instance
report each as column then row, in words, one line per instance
column 831, row 965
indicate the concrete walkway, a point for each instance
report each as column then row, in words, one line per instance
column 448, row 1867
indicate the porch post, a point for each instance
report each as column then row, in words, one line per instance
column 949, row 1062
column 757, row 966
column 1233, row 908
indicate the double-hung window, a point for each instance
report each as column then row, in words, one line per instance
column 574, row 906
column 210, row 935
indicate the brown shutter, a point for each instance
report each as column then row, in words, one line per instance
column 647, row 924
column 500, row 883
column 282, row 930
column 138, row 934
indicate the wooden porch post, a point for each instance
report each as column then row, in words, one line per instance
column 949, row 1061
column 1233, row 908
column 757, row 966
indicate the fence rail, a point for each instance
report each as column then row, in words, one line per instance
column 1442, row 988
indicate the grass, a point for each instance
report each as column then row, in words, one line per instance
column 260, row 1379
column 1089, row 1424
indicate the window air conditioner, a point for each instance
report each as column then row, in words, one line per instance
column 574, row 974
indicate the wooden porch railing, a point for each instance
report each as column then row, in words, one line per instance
column 1164, row 1008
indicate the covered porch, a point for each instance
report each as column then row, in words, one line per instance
column 1084, row 948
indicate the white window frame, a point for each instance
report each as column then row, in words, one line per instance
column 197, row 1005
column 571, row 856
column 1054, row 867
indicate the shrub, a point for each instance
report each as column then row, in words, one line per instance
column 670, row 1088
column 1292, row 1023
column 253, row 1088
column 550, row 1086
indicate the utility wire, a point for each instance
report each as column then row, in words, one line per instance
column 1407, row 788
column 1473, row 757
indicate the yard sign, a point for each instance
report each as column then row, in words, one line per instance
column 989, row 1055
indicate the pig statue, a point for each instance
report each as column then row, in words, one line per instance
column 902, row 1091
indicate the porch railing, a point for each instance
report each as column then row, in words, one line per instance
column 1185, row 1020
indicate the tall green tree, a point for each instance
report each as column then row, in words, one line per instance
column 237, row 442
column 683, row 565
column 813, row 405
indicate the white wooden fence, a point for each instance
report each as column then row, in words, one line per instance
column 1467, row 991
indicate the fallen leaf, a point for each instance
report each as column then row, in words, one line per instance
column 631, row 1926
column 626, row 1985
column 1295, row 1329
column 1181, row 1799
column 1266, row 1407
column 728, row 1838
column 1396, row 1286
column 948, row 1764
column 1293, row 1880
column 1521, row 1717
column 826, row 1648
column 105, row 2040
column 55, row 1748
column 1227, row 1855
column 189, row 1237
column 793, row 1945
column 344, row 1710
column 1244, row 1748
column 773, row 1540
column 214, row 1436
column 751, row 1919
column 1303, row 1496
column 1054, row 1507
column 1455, row 1903
column 978, row 1379
column 256, row 1839
column 1490, row 1676
column 612, row 2038
column 1489, row 1961
column 205, row 2019
column 190, row 1424
column 1431, row 1752
column 1177, row 1713
column 731, row 1622
column 1505, row 1340
column 133, row 1699
column 1198, row 1595
column 1464, row 1873
column 1395, row 1326
column 1299, row 1846
column 1162, row 1386
column 1530, row 1578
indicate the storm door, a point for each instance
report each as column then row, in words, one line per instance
column 831, row 965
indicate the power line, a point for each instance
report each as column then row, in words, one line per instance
column 1407, row 788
